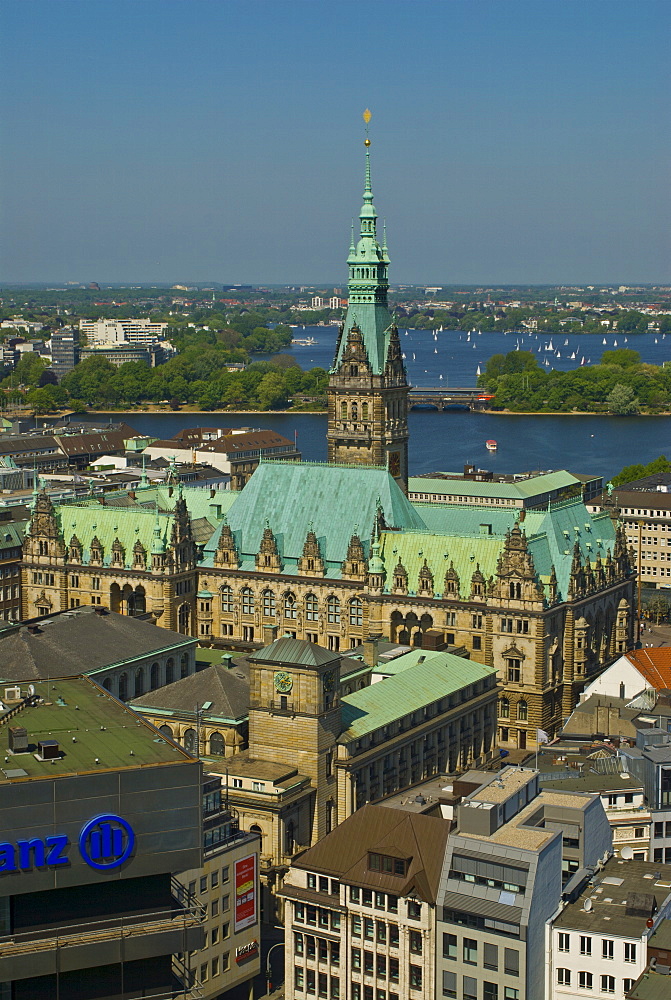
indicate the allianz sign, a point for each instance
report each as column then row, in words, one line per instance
column 105, row 842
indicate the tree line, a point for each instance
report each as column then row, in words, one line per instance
column 621, row 384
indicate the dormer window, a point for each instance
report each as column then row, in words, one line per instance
column 387, row 865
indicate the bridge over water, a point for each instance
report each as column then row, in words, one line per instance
column 471, row 397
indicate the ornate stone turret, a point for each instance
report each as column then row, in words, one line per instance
column 139, row 556
column 400, row 578
column 43, row 539
column 425, row 581
column 75, row 550
column 311, row 562
column 96, row 553
column 553, row 589
column 478, row 584
column 268, row 557
column 226, row 553
column 354, row 566
column 576, row 587
column 452, row 583
column 182, row 545
column 118, row 554
column 375, row 566
column 516, row 573
column 368, row 386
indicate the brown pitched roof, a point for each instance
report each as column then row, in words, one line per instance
column 420, row 839
column 654, row 663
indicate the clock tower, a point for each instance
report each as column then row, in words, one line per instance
column 294, row 717
column 368, row 387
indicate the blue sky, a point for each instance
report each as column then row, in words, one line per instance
column 197, row 140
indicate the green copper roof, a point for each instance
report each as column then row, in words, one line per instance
column 131, row 520
column 299, row 652
column 469, row 536
column 386, row 701
column 295, row 497
column 534, row 486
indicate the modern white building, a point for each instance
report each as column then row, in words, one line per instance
column 103, row 332
column 599, row 940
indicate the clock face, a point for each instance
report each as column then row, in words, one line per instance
column 329, row 680
column 283, row 682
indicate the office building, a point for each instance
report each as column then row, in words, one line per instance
column 98, row 816
column 227, row 889
column 64, row 350
column 511, row 852
column 103, row 332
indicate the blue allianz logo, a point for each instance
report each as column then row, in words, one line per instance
column 106, row 841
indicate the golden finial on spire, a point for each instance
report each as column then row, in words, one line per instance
column 367, row 117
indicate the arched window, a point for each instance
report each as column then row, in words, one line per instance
column 217, row 745
column 356, row 612
column 289, row 605
column 343, row 411
column 154, row 676
column 184, row 665
column 226, row 595
column 333, row 610
column 139, row 682
column 247, row 596
column 355, row 410
column 107, row 683
column 522, row 711
column 504, row 708
column 166, row 730
column 190, row 740
column 364, row 411
column 169, row 671
column 515, row 591
column 184, row 619
column 311, row 608
column 269, row 607
column 123, row 687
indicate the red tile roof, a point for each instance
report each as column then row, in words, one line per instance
column 654, row 664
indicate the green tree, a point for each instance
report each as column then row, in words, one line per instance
column 622, row 400
column 623, row 357
column 657, row 609
column 639, row 471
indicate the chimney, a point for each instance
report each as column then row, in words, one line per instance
column 523, row 514
column 370, row 647
column 227, row 661
column 213, row 494
column 131, row 494
column 34, row 629
column 269, row 634
column 99, row 610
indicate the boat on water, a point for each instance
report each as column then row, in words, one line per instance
column 303, row 341
column 491, row 445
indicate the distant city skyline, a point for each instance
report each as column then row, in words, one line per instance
column 515, row 142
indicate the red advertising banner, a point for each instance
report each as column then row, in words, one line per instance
column 245, row 892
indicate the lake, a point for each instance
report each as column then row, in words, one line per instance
column 595, row 445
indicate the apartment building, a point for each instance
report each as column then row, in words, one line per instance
column 360, row 909
column 599, row 940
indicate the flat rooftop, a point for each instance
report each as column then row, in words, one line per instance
column 618, row 898
column 93, row 730
column 503, row 784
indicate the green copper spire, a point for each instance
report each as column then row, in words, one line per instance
column 368, row 281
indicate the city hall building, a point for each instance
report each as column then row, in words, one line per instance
column 97, row 815
column 334, row 553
